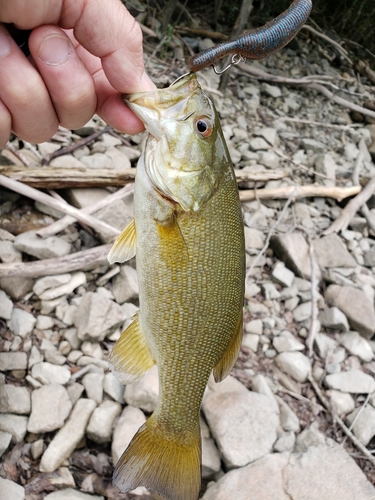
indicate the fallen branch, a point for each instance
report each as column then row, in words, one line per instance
column 321, row 124
column 61, row 224
column 61, row 178
column 336, row 418
column 84, row 260
column 314, row 298
column 343, row 220
column 339, row 193
column 260, row 176
column 342, row 51
column 107, row 232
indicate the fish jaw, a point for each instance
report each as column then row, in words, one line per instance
column 183, row 164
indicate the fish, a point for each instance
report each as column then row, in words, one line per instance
column 188, row 238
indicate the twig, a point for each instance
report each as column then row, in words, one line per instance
column 107, row 232
column 339, row 193
column 61, row 224
column 76, row 145
column 260, row 176
column 314, row 298
column 86, row 259
column 321, row 124
column 350, row 435
column 343, row 221
column 18, row 154
column 342, row 51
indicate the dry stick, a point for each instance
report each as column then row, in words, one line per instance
column 343, row 221
column 17, row 153
column 86, row 259
column 61, row 224
column 314, row 298
column 108, row 232
column 339, row 193
column 321, row 124
column 364, row 209
column 303, row 82
column 342, row 51
column 350, row 435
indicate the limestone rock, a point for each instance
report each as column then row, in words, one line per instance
column 356, row 306
column 129, row 422
column 254, row 238
column 243, row 424
column 282, row 274
column 47, row 373
column 93, row 384
column 68, row 437
column 21, row 322
column 8, row 253
column 16, row 425
column 335, row 319
column 125, row 284
column 16, row 286
column 144, row 393
column 285, row 442
column 113, row 388
column 51, row 406
column 11, row 490
column 364, row 426
column 76, row 280
column 40, row 248
column 6, row 306
column 295, row 364
column 288, row 419
column 353, row 381
column 286, row 341
column 5, row 439
column 330, row 251
column 13, row 361
column 101, row 421
column 357, row 345
column 14, row 399
column 50, row 282
column 71, row 494
column 342, row 402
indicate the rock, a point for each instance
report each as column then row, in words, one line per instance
column 330, row 251
column 353, row 381
column 270, row 291
column 144, row 393
column 243, row 424
column 54, row 356
column 357, row 307
column 40, row 248
column 310, row 436
column 259, row 384
column 70, row 494
column 293, row 250
column 21, row 322
column 8, row 253
column 11, row 490
column 286, row 341
column 77, row 279
column 113, row 388
column 324, row 344
column 13, row 361
column 364, row 425
column 254, row 238
column 254, row 326
column 51, row 406
column 268, row 159
column 357, row 345
column 326, row 472
column 269, row 134
column 335, row 319
column 75, row 391
column 285, row 442
column 302, row 312
column 326, row 165
column 37, row 449
column 270, row 90
column 251, row 341
column 47, row 373
column 68, row 437
column 50, row 282
column 129, row 422
column 342, row 402
column 16, row 286
column 83, row 197
column 251, row 290
column 97, row 316
column 282, row 275
column 210, row 455
column 93, row 384
column 101, row 421
column 44, row 322
column 295, row 364
column 125, row 284
column 16, row 425
column 6, row 306
column 313, row 145
column 261, row 480
column 14, row 399
column 288, row 419
column 5, row 439
column 258, row 144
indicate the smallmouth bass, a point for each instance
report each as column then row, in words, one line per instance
column 188, row 238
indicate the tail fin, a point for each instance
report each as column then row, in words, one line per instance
column 167, row 466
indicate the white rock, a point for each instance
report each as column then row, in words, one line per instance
column 325, row 344
column 295, row 364
column 76, row 280
column 129, row 422
column 6, row 306
column 270, row 90
column 353, row 381
column 51, row 406
column 101, row 421
column 14, row 399
column 251, row 289
column 210, row 454
column 302, row 312
column 21, row 322
column 93, row 384
column 243, row 425
column 16, row 425
column 11, row 490
column 125, row 284
column 254, row 238
column 335, row 319
column 113, row 388
column 285, row 442
column 288, row 419
column 364, row 426
column 342, row 402
column 5, row 439
column 40, row 248
column 282, row 274
column 8, row 253
column 44, row 322
column 37, row 449
column 144, row 393
column 251, row 340
column 259, row 384
column 70, row 494
column 92, row 349
column 68, row 437
column 13, row 361
column 310, row 436
column 254, row 326
column 75, row 391
column 286, row 341
column 50, row 282
column 357, row 345
column 54, row 356
column 47, row 373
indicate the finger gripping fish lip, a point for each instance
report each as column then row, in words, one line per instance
column 260, row 42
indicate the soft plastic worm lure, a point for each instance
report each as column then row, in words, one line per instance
column 260, row 42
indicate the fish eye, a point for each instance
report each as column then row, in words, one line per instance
column 204, row 127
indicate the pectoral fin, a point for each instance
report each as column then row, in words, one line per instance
column 226, row 363
column 124, row 247
column 131, row 357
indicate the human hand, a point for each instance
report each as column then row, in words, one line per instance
column 84, row 55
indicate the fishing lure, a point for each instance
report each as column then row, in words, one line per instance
column 260, row 42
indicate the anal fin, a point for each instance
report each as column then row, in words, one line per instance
column 123, row 248
column 131, row 357
column 224, row 366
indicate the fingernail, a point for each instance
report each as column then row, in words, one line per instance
column 55, row 50
column 5, row 43
column 147, row 83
